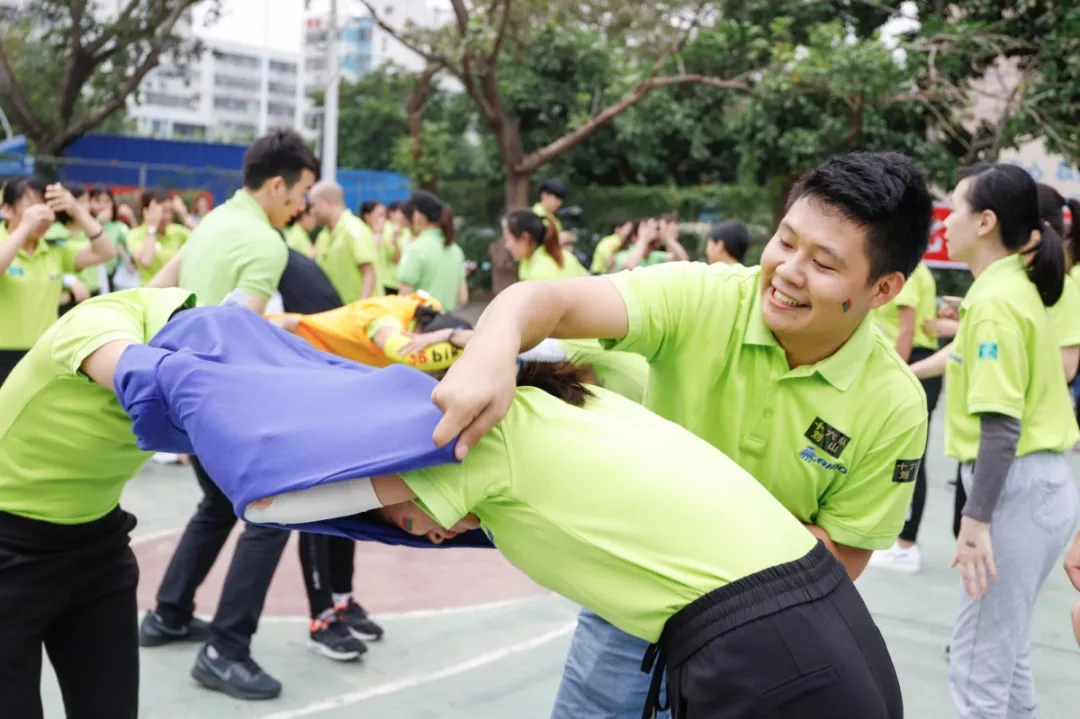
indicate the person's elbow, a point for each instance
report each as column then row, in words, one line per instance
column 854, row 559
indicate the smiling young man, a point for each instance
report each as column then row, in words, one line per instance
column 779, row 367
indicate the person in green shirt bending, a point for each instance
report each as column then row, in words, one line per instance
column 158, row 239
column 653, row 529
column 347, row 255
column 772, row 365
column 435, row 263
column 535, row 246
column 66, row 450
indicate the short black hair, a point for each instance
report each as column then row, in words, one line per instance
column 15, row 189
column 884, row 192
column 368, row 206
column 554, row 186
column 154, row 193
column 734, row 235
column 428, row 319
column 395, row 205
column 281, row 153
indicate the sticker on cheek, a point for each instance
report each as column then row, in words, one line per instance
column 846, row 304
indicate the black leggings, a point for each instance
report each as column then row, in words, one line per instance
column 327, row 564
column 8, row 360
column 71, row 589
column 932, row 387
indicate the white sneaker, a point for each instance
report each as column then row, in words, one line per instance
column 165, row 458
column 898, row 559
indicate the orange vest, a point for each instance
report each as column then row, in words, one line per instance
column 344, row 331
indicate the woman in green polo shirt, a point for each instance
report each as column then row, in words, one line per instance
column 103, row 206
column 622, row 234
column 662, row 535
column 534, row 244
column 434, row 263
column 67, row 573
column 31, row 269
column 158, row 239
column 1008, row 422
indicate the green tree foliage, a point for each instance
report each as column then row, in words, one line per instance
column 67, row 66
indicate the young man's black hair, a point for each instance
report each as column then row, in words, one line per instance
column 886, row 193
column 281, row 153
column 555, row 187
column 735, row 236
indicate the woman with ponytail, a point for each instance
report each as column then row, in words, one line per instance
column 535, row 246
column 1008, row 423
column 434, row 263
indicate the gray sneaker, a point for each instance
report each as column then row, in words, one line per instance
column 153, row 631
column 243, row 679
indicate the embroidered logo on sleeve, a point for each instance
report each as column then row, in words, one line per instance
column 988, row 350
column 905, row 470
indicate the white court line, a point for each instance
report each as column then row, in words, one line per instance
column 418, row 679
column 422, row 613
column 144, row 537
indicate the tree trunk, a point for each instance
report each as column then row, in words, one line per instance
column 517, row 190
column 415, row 108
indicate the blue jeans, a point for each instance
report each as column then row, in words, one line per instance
column 602, row 678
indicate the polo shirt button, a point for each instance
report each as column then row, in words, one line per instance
column 768, row 413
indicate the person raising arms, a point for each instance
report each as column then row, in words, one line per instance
column 747, row 359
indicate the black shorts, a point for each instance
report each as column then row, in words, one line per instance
column 794, row 641
column 8, row 360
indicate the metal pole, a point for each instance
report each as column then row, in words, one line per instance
column 264, row 86
column 330, row 110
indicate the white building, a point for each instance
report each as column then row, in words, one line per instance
column 218, row 97
column 361, row 44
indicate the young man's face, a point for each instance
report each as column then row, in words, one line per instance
column 286, row 201
column 815, row 276
column 415, row 521
column 550, row 202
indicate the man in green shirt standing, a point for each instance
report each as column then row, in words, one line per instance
column 552, row 197
column 772, row 365
column 235, row 248
column 348, row 255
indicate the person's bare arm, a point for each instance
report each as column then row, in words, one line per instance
column 477, row 390
column 257, row 304
column 169, row 275
column 289, row 323
column 853, row 558
column 101, row 364
column 934, row 365
column 675, row 249
column 906, row 335
column 368, row 286
column 1070, row 356
column 463, row 294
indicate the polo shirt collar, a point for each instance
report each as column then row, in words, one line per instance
column 991, row 277
column 431, row 233
column 244, row 201
column 41, row 247
column 838, row 369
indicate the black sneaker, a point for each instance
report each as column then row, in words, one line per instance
column 242, row 679
column 153, row 631
column 334, row 639
column 356, row 619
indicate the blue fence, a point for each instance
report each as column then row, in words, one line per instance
column 139, row 162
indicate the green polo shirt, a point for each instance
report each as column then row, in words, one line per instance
column 538, row 209
column 296, row 238
column 613, row 507
column 1065, row 315
column 90, row 276
column 1006, row 360
column 809, row 434
column 168, row 244
column 605, row 250
column 66, row 446
column 385, row 267
column 30, row 290
column 117, row 232
column 541, row 266
column 430, row 265
column 656, row 257
column 920, row 294
column 348, row 247
column 234, row 248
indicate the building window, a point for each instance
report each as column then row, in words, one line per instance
column 231, row 81
column 365, row 34
column 281, row 109
column 182, row 129
column 315, row 63
column 161, row 99
column 288, row 68
column 222, row 102
column 317, row 37
column 158, row 127
column 281, row 88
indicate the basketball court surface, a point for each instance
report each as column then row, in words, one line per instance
column 467, row 635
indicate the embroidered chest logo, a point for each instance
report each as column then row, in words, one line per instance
column 16, row 272
column 827, row 437
column 810, row 456
column 905, row 470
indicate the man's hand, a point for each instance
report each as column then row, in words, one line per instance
column 38, row 218
column 153, row 215
column 476, row 392
column 975, row 556
column 79, row 291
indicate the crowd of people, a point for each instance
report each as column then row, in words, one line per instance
column 696, row 406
